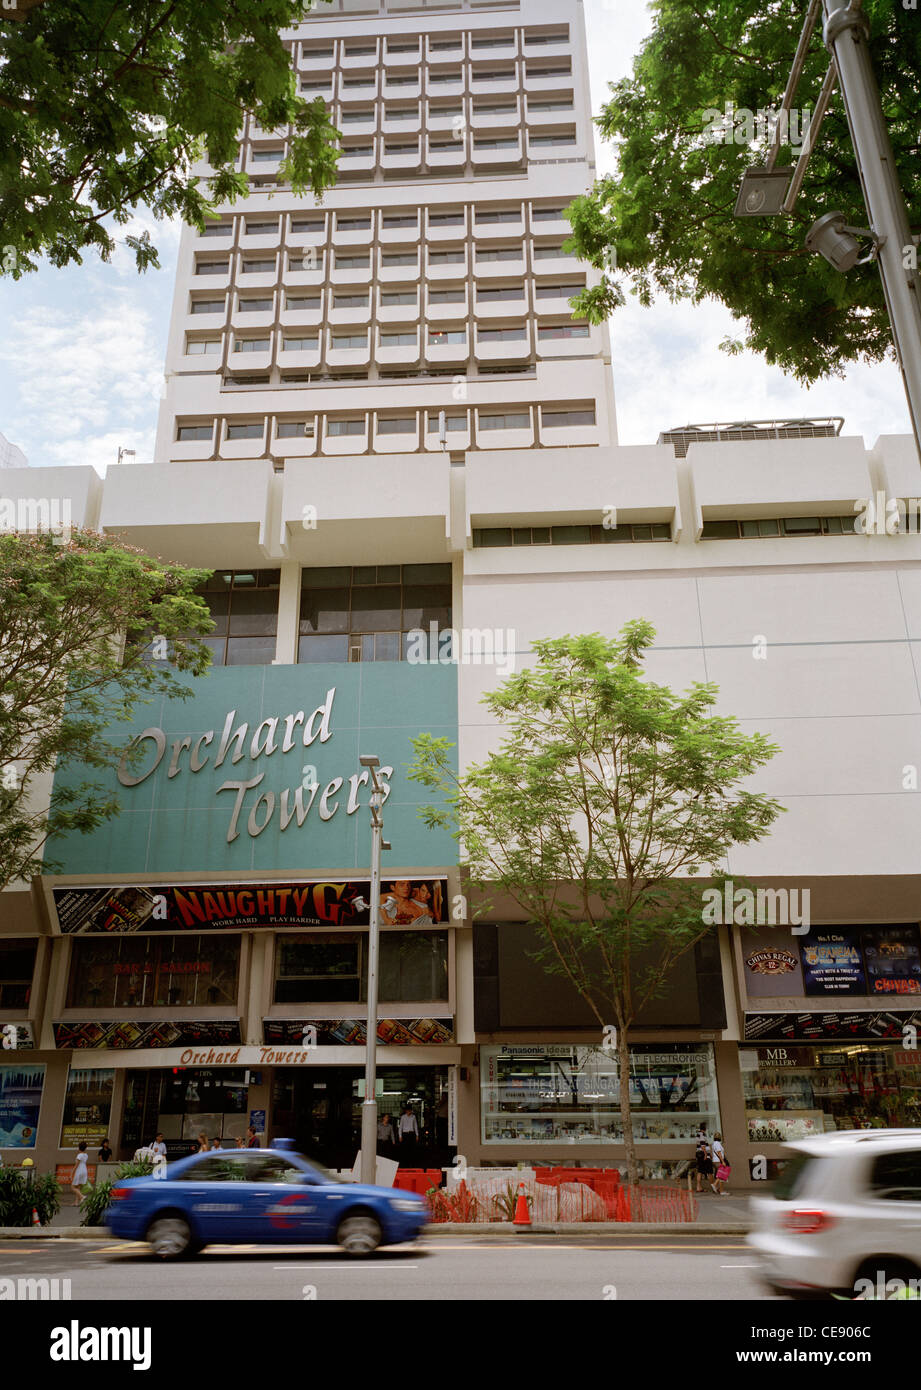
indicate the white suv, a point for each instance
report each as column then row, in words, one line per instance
column 844, row 1216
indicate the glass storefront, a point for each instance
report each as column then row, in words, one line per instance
column 151, row 971
column 183, row 1103
column 794, row 1092
column 571, row 1093
column 319, row 967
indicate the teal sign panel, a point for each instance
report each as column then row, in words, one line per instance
column 259, row 771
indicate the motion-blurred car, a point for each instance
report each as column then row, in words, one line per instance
column 259, row 1196
column 844, row 1216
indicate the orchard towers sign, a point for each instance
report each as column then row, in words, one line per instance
column 266, row 739
column 257, row 772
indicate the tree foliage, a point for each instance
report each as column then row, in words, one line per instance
column 105, row 105
column 76, row 617
column 667, row 214
column 607, row 797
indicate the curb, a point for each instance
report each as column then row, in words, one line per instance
column 53, row 1233
column 586, row 1228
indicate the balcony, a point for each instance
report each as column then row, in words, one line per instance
column 511, row 268
column 503, row 349
column 449, row 312
column 443, row 154
column 391, row 236
column 505, row 150
column 397, row 274
column 407, row 125
column 456, row 439
column 250, row 280
column 316, row 60
column 345, row 443
column 493, row 80
column 357, row 87
column 574, row 346
column 359, row 61
column 242, row 448
column 243, row 361
column 367, row 126
column 488, row 231
column 307, row 359
column 538, row 119
column 498, row 119
column 516, row 437
column 220, row 237
column 359, row 236
column 301, row 270
column 397, row 88
column 444, row 84
column 356, row 356
column 400, row 354
column 552, row 261
column 447, row 352
column 202, row 361
column 401, row 154
column 207, row 279
column 553, row 78
column 399, row 443
column 446, row 270
column 302, row 318
column 398, row 313
column 202, row 323
column 502, row 308
column 408, row 57
column 297, row 445
column 248, row 320
column 192, row 449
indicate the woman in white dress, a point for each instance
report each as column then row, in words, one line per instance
column 80, row 1175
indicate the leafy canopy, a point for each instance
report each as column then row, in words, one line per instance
column 667, row 214
column 607, row 794
column 76, row 617
column 105, row 105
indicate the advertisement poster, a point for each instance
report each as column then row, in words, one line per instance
column 20, row 1102
column 866, row 1026
column 772, row 964
column 418, row 902
column 87, row 1107
column 832, row 962
column 352, row 1032
column 893, row 960
column 129, row 1034
column 257, row 1120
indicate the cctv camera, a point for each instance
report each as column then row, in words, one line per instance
column 837, row 242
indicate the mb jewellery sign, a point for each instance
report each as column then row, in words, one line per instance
column 277, row 735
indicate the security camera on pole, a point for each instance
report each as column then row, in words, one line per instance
column 369, row 1105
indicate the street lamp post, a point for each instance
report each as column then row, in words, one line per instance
column 369, row 1105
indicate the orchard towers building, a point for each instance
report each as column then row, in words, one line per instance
column 169, row 975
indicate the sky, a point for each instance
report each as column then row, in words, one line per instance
column 84, row 349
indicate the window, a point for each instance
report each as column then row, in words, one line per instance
column 340, row 427
column 349, row 340
column 252, row 345
column 153, row 971
column 393, row 81
column 442, row 337
column 202, row 347
column 499, row 215
column 211, row 267
column 457, row 296
column 248, row 430
column 403, row 424
column 244, row 606
column 503, row 253
column 549, row 106
column 208, row 306
column 352, row 262
column 546, row 214
column 350, row 301
column 493, row 41
column 563, row 71
column 750, row 529
column 360, row 50
column 333, row 966
column 365, row 80
column 17, row 965
column 399, row 340
column 365, row 612
column 195, row 433
column 562, row 419
column 266, row 156
column 508, row 143
column 506, row 75
column 499, row 293
column 532, row 40
column 348, row 117
column 441, row 77
column 457, row 257
column 353, row 224
column 295, row 429
column 390, row 298
column 217, row 229
column 896, row 1177
column 300, row 344
column 255, row 306
column 358, row 152
column 401, row 147
column 261, row 267
column 262, row 228
column 563, row 330
column 412, row 47
column 514, row 420
column 505, row 108
column 543, row 253
column 302, row 302
column 443, row 45
column 453, row 424
column 401, row 113
column 558, row 291
column 563, row 138
column 400, row 219
column 502, row 335
column 446, row 219
column 493, row 536
column 391, row 258
column 307, row 224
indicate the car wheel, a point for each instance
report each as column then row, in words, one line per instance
column 170, row 1237
column 359, row 1234
column 879, row 1272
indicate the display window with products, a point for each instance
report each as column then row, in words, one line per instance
column 797, row 1092
column 571, row 1093
column 87, row 1106
column 136, row 972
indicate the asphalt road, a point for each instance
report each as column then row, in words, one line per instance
column 715, row 1268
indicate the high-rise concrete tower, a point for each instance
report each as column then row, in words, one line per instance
column 432, row 278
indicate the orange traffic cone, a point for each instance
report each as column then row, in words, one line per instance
column 622, row 1205
column 522, row 1215
column 35, row 1220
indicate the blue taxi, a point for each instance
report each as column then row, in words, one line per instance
column 259, row 1196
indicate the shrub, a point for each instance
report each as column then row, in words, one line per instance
column 19, row 1194
column 98, row 1199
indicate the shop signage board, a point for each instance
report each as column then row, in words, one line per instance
column 869, row 1025
column 832, row 962
column 259, row 770
column 259, row 1056
column 132, row 1034
column 116, row 909
column 881, row 961
column 352, row 1032
column 257, row 1120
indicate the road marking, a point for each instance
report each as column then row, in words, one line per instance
column 740, row 1266
column 361, row 1268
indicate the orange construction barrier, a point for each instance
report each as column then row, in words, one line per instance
column 622, row 1205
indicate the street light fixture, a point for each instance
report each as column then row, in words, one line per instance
column 838, row 243
column 124, row 453
column 368, row 1168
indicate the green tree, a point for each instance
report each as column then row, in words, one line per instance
column 666, row 216
column 608, row 793
column 76, row 620
column 106, row 104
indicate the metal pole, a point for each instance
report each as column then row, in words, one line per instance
column 845, row 32
column 369, row 1106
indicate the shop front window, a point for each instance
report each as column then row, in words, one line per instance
column 571, row 1093
column 795, row 1092
column 138, row 972
column 332, row 966
column 183, row 1104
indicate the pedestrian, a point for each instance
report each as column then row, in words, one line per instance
column 721, row 1164
column 80, row 1177
column 703, row 1160
column 203, row 1143
column 105, row 1152
column 408, row 1130
column 216, row 1143
column 252, row 1138
column 386, row 1135
column 158, row 1148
